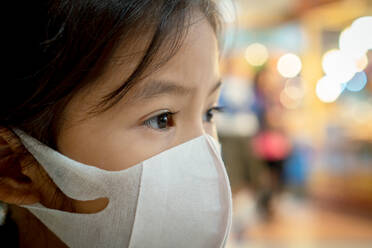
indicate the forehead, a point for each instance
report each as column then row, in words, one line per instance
column 194, row 65
column 198, row 52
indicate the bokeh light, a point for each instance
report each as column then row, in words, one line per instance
column 288, row 101
column 289, row 65
column 328, row 89
column 320, row 101
column 351, row 44
column 356, row 40
column 344, row 67
column 256, row 54
column 358, row 82
column 294, row 89
column 362, row 63
column 339, row 65
column 361, row 29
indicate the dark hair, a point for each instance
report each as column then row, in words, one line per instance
column 60, row 47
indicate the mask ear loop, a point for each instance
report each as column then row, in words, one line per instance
column 69, row 203
column 56, row 164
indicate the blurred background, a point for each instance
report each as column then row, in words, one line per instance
column 297, row 126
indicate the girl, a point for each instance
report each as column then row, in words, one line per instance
column 107, row 136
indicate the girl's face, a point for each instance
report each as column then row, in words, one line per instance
column 171, row 106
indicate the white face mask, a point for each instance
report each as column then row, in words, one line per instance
column 178, row 198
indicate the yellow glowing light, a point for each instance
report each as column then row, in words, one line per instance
column 339, row 65
column 256, row 54
column 289, row 65
column 328, row 89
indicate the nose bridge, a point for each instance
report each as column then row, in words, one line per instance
column 192, row 130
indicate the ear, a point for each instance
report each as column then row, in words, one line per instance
column 15, row 186
column 23, row 181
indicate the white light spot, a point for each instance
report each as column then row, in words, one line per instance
column 289, row 65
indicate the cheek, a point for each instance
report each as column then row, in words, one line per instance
column 109, row 148
column 211, row 129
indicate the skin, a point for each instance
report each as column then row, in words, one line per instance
column 129, row 132
column 194, row 68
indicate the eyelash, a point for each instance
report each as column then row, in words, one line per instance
column 167, row 116
column 211, row 111
column 155, row 120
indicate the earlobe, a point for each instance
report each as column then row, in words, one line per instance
column 23, row 181
column 18, row 193
column 15, row 186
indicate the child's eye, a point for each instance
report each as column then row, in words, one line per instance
column 161, row 122
column 208, row 117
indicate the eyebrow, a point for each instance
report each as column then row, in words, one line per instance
column 156, row 88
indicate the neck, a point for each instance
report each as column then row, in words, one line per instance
column 32, row 233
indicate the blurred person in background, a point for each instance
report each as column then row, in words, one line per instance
column 270, row 144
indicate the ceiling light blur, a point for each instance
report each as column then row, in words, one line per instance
column 328, row 89
column 256, row 54
column 289, row 65
column 339, row 65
